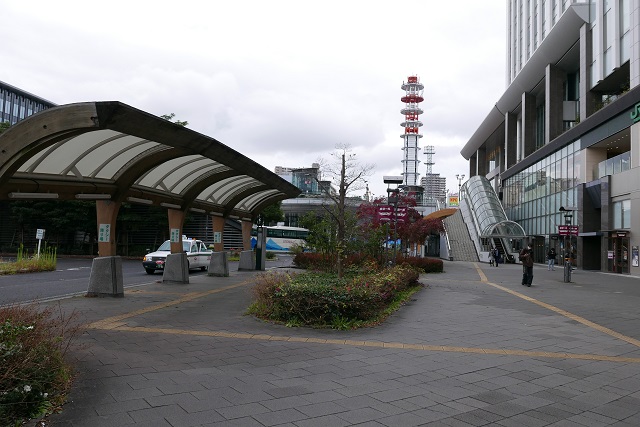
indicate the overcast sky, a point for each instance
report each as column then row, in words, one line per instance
column 282, row 82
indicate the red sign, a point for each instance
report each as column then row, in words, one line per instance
column 568, row 230
column 385, row 213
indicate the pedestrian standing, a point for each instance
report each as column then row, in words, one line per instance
column 496, row 256
column 551, row 259
column 526, row 256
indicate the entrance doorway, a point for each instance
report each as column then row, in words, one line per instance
column 618, row 254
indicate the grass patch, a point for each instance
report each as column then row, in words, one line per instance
column 46, row 261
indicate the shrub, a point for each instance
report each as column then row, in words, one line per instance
column 34, row 376
column 323, row 299
column 313, row 261
column 427, row 265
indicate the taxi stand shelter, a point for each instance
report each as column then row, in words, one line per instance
column 112, row 153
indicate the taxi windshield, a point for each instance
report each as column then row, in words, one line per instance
column 166, row 246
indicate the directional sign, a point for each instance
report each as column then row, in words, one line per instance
column 385, row 213
column 568, row 230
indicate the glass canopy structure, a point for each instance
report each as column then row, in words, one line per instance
column 493, row 228
column 111, row 151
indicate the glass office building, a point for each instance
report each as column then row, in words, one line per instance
column 17, row 104
column 561, row 147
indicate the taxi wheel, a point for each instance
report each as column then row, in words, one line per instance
column 203, row 268
column 150, row 270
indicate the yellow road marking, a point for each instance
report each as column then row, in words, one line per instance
column 116, row 323
column 560, row 311
column 104, row 323
column 420, row 347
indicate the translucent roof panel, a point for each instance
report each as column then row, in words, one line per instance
column 504, row 229
column 109, row 150
column 487, row 209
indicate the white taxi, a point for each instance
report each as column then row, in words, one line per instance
column 198, row 256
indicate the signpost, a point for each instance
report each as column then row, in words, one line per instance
column 39, row 236
column 568, row 230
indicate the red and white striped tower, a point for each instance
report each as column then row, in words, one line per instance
column 412, row 99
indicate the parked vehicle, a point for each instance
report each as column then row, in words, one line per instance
column 198, row 256
column 281, row 238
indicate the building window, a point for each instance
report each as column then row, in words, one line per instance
column 540, row 126
column 622, row 214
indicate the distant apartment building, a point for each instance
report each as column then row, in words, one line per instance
column 561, row 146
column 17, row 104
column 435, row 187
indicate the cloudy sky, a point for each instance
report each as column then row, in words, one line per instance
column 282, row 82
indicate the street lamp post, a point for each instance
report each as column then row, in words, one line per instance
column 393, row 201
column 568, row 217
column 459, row 178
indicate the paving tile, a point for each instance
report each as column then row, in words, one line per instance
column 358, row 416
column 279, row 417
column 239, row 411
column 321, row 409
column 328, row 420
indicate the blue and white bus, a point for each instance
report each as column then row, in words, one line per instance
column 281, row 238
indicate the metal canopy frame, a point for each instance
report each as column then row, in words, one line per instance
column 109, row 150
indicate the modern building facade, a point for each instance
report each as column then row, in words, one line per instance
column 561, row 146
column 435, row 187
column 17, row 104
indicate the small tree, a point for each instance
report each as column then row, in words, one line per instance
column 170, row 118
column 4, row 126
column 347, row 175
column 270, row 215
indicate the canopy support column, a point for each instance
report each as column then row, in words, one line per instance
column 217, row 223
column 106, row 270
column 176, row 268
column 246, row 234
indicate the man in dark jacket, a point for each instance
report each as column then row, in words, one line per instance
column 526, row 256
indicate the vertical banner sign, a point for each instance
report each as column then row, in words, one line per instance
column 175, row 235
column 104, row 233
column 634, row 256
column 453, row 200
column 217, row 237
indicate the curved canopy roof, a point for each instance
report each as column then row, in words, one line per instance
column 487, row 211
column 109, row 150
column 509, row 229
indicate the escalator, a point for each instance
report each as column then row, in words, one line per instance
column 487, row 221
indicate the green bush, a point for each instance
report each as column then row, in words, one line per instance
column 313, row 261
column 427, row 265
column 34, row 376
column 322, row 299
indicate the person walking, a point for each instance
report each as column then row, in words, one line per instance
column 526, row 256
column 496, row 256
column 551, row 259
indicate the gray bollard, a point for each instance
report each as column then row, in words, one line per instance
column 219, row 264
column 106, row 277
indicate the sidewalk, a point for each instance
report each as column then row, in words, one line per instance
column 473, row 348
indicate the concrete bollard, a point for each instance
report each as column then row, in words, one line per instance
column 247, row 261
column 176, row 269
column 219, row 264
column 106, row 277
